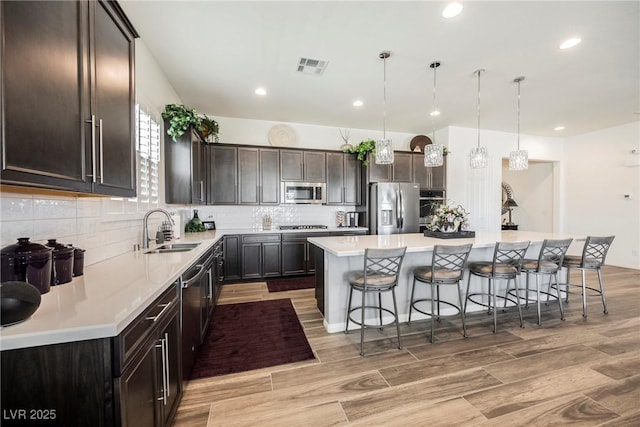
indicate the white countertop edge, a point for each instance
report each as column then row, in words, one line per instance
column 346, row 246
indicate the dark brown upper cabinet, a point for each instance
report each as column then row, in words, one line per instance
column 343, row 179
column 184, row 166
column 429, row 178
column 258, row 176
column 68, row 96
column 222, row 175
column 301, row 165
column 401, row 170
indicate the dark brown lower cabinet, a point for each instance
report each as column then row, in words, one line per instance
column 232, row 258
column 297, row 253
column 134, row 379
column 260, row 256
column 149, row 388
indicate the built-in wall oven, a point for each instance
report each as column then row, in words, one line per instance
column 429, row 201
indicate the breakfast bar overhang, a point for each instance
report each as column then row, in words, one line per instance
column 336, row 256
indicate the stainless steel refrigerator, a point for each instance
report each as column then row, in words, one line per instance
column 394, row 208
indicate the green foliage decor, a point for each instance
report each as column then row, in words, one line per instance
column 362, row 149
column 181, row 118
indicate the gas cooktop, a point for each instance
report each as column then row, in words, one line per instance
column 301, row 227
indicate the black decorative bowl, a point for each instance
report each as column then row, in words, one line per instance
column 18, row 301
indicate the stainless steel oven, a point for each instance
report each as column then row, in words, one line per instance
column 429, row 201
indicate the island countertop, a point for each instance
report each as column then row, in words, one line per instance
column 345, row 246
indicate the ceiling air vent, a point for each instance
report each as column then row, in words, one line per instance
column 312, row 66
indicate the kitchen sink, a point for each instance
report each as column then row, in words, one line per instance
column 173, row 247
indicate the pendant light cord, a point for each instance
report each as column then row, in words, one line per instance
column 433, row 112
column 479, row 71
column 518, row 80
column 519, row 115
column 384, row 95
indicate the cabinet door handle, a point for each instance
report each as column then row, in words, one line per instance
column 93, row 147
column 201, row 190
column 165, row 307
column 163, row 351
column 101, row 151
column 166, row 355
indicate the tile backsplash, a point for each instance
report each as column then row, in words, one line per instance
column 107, row 227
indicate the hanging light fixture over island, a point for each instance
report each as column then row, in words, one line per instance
column 478, row 156
column 384, row 146
column 433, row 153
column 519, row 159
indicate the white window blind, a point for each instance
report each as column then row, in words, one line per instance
column 148, row 131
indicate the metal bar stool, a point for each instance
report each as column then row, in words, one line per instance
column 380, row 274
column 592, row 258
column 549, row 263
column 447, row 268
column 506, row 265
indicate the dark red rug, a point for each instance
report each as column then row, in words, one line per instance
column 291, row 283
column 251, row 335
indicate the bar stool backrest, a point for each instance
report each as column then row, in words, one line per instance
column 510, row 253
column 452, row 258
column 595, row 251
column 383, row 262
column 554, row 251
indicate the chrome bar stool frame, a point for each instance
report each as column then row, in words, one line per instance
column 380, row 274
column 447, row 268
column 506, row 265
column 593, row 256
column 549, row 263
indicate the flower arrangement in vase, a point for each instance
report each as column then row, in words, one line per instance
column 449, row 219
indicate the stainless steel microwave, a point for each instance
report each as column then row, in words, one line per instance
column 303, row 192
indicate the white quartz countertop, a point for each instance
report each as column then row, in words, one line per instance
column 416, row 242
column 109, row 296
column 112, row 293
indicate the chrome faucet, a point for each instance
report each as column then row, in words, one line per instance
column 145, row 226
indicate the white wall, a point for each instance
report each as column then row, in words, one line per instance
column 256, row 132
column 598, row 173
column 480, row 190
column 533, row 192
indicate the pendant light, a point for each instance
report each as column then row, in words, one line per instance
column 384, row 146
column 519, row 159
column 478, row 156
column 433, row 153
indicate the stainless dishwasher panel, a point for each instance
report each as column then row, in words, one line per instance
column 193, row 283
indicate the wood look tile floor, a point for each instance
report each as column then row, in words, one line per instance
column 574, row 372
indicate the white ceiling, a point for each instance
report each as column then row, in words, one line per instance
column 216, row 53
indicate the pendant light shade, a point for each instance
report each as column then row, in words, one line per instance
column 384, row 146
column 478, row 158
column 519, row 159
column 433, row 153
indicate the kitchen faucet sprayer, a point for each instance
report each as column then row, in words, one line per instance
column 145, row 225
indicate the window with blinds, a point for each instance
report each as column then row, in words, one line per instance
column 148, row 131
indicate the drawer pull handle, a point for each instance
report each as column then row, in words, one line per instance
column 165, row 307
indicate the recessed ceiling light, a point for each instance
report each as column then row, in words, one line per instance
column 434, row 113
column 569, row 43
column 358, row 103
column 261, row 91
column 558, row 128
column 452, row 9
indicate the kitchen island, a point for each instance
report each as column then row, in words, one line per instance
column 336, row 256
